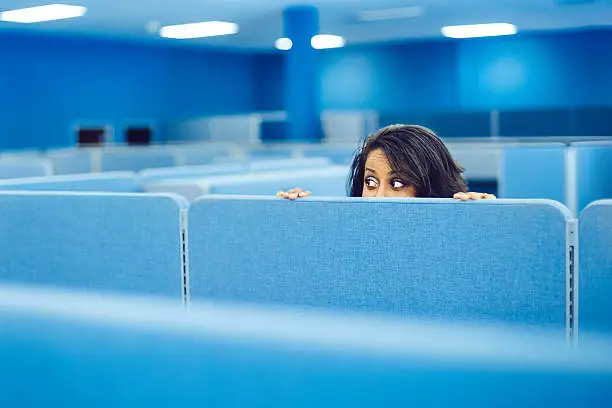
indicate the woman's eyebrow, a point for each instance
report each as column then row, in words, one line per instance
column 371, row 170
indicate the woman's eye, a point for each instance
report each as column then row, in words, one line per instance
column 397, row 184
column 371, row 182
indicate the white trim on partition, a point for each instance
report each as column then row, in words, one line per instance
column 571, row 180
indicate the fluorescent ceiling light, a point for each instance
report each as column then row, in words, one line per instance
column 390, row 14
column 283, row 44
column 43, row 13
column 199, row 30
column 479, row 30
column 325, row 41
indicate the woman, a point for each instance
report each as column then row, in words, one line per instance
column 403, row 161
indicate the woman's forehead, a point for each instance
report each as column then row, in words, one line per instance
column 377, row 157
column 377, row 161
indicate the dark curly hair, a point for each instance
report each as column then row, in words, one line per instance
column 415, row 153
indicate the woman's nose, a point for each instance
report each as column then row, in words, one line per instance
column 381, row 192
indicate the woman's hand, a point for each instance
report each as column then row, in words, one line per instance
column 293, row 194
column 473, row 196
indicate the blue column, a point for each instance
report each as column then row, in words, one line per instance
column 302, row 94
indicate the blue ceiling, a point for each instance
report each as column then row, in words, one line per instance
column 261, row 23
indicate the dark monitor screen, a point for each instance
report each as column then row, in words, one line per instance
column 91, row 136
column 138, row 135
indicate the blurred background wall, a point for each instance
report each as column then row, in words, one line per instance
column 54, row 80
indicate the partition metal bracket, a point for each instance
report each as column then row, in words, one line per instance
column 572, row 281
column 184, row 250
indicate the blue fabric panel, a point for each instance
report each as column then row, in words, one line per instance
column 109, row 352
column 287, row 164
column 463, row 124
column 485, row 261
column 21, row 154
column 480, row 161
column 593, row 172
column 595, row 268
column 15, row 168
column 531, row 123
column 327, row 182
column 136, row 161
column 406, row 117
column 191, row 171
column 337, row 156
column 270, row 154
column 75, row 162
column 120, row 182
column 267, row 162
column 92, row 241
column 483, row 186
column 591, row 121
column 194, row 156
column 533, row 172
column 273, row 131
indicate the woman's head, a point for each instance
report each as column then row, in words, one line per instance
column 405, row 161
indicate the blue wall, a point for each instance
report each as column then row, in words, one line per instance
column 390, row 77
column 48, row 84
column 526, row 71
column 538, row 71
